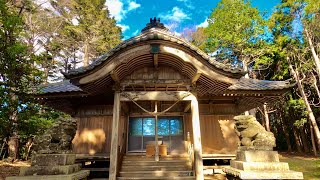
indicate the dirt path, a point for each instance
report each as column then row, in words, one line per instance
column 11, row 169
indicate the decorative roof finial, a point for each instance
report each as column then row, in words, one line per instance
column 154, row 23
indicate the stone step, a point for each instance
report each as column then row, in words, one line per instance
column 154, row 168
column 156, row 178
column 155, row 173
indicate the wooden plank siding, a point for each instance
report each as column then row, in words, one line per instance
column 217, row 133
column 93, row 134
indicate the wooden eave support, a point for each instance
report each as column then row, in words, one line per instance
column 196, row 77
column 115, row 77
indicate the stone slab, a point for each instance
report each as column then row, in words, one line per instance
column 260, row 166
column 257, row 156
column 81, row 175
column 240, row 174
column 53, row 159
column 49, row 170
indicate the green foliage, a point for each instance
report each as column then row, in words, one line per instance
column 295, row 110
column 235, row 30
column 86, row 28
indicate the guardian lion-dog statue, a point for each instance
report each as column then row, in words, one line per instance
column 252, row 134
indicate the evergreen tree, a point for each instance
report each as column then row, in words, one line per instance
column 18, row 75
column 234, row 32
column 88, row 28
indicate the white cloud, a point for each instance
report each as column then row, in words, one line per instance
column 123, row 27
column 135, row 33
column 187, row 3
column 117, row 10
column 204, row 24
column 133, row 5
column 176, row 14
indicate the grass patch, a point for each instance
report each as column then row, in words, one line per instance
column 309, row 166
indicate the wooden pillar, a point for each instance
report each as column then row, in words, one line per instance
column 114, row 151
column 156, row 157
column 197, row 139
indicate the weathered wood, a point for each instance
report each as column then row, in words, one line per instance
column 188, row 106
column 93, row 135
column 155, row 60
column 195, row 78
column 196, row 63
column 156, row 157
column 115, row 137
column 197, row 138
column 166, row 49
column 115, row 77
column 157, row 95
column 159, row 82
column 114, row 62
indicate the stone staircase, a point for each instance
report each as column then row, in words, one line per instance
column 144, row 168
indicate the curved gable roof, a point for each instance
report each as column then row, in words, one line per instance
column 154, row 34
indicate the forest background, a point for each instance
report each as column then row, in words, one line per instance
column 36, row 43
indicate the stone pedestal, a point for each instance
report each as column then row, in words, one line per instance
column 259, row 165
column 52, row 167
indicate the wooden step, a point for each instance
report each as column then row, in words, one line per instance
column 152, row 158
column 155, row 168
column 155, row 173
column 157, row 178
column 150, row 163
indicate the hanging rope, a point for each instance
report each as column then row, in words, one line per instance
column 126, row 95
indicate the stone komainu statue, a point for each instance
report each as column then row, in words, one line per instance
column 253, row 135
column 57, row 139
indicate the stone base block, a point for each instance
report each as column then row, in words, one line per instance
column 81, row 175
column 257, row 156
column 234, row 174
column 260, row 166
column 53, row 159
column 49, row 170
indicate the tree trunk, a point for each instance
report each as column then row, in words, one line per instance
column 305, row 99
column 314, row 54
column 245, row 68
column 312, row 141
column 86, row 55
column 297, row 139
column 13, row 143
column 304, row 140
column 266, row 117
column 285, row 130
column 316, row 86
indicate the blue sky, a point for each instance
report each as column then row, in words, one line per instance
column 177, row 15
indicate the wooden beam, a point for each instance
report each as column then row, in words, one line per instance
column 115, row 77
column 114, row 151
column 157, row 95
column 188, row 106
column 196, row 77
column 125, row 108
column 155, row 60
column 197, row 138
column 152, row 82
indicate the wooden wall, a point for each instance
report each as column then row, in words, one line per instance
column 217, row 133
column 94, row 128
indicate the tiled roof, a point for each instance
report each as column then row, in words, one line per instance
column 255, row 84
column 154, row 34
column 59, row 87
